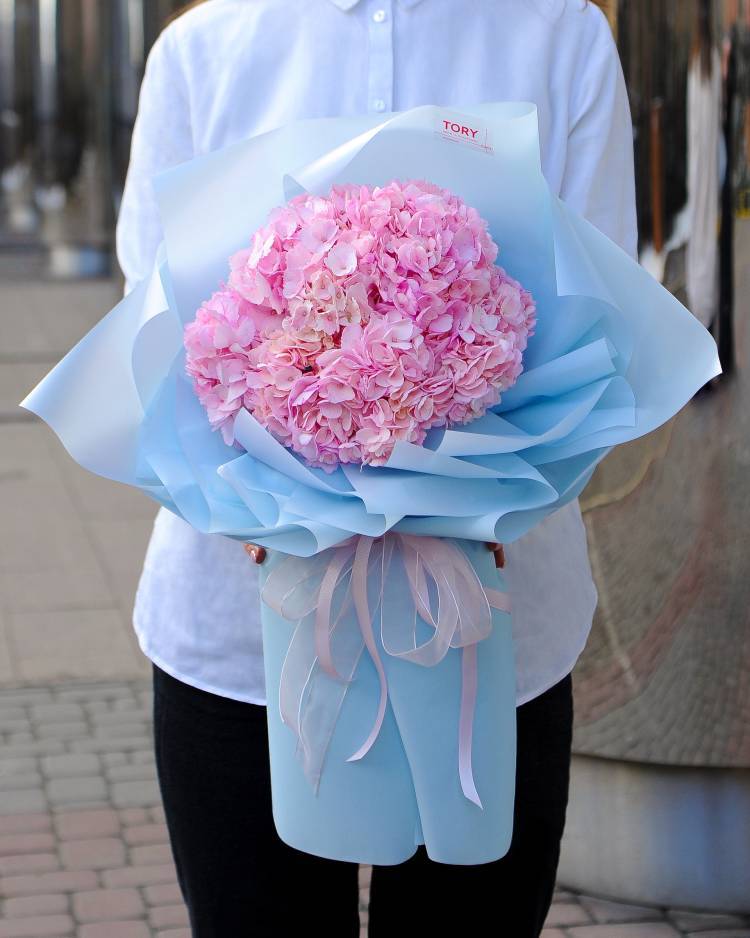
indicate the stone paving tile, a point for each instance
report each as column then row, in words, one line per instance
column 26, row 843
column 100, row 853
column 25, row 906
column 150, row 875
column 107, row 904
column 132, row 816
column 59, row 881
column 25, row 823
column 567, row 913
column 150, row 854
column 126, row 929
column 135, row 793
column 721, row 933
column 71, row 763
column 70, row 791
column 20, row 782
column 29, row 863
column 702, row 921
column 36, row 926
column 168, row 916
column 637, row 930
column 23, row 801
column 78, row 825
column 603, row 910
column 84, row 849
column 142, row 834
column 563, row 895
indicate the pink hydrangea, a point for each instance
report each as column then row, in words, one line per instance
column 360, row 319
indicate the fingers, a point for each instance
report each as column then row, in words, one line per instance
column 499, row 551
column 258, row 554
column 255, row 552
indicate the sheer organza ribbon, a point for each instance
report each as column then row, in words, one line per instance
column 333, row 598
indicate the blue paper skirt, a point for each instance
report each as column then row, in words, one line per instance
column 406, row 790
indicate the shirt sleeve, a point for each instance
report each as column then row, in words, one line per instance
column 599, row 176
column 162, row 138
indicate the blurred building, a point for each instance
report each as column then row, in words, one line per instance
column 660, row 794
column 69, row 78
column 70, row 71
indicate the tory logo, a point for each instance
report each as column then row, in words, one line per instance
column 460, row 129
column 476, row 137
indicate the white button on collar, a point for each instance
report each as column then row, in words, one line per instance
column 379, row 16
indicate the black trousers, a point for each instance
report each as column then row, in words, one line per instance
column 239, row 879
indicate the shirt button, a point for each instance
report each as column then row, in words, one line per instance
column 379, row 104
column 379, row 16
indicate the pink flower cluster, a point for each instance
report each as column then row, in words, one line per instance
column 360, row 319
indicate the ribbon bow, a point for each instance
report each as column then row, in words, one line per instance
column 367, row 574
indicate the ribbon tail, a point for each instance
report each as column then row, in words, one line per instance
column 319, row 719
column 310, row 697
column 324, row 621
column 466, row 722
column 498, row 600
column 469, row 682
column 296, row 672
column 361, row 604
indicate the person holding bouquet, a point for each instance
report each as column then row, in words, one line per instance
column 220, row 72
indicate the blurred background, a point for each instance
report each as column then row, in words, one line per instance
column 659, row 818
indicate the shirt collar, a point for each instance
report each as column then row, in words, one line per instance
column 348, row 4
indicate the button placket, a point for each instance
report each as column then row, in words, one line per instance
column 380, row 75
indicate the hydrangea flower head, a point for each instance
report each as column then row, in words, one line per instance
column 359, row 319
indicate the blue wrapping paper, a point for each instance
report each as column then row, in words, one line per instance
column 614, row 356
column 406, row 790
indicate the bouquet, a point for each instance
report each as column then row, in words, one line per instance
column 337, row 367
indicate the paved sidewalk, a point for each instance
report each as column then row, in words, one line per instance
column 83, row 845
column 84, row 850
column 72, row 543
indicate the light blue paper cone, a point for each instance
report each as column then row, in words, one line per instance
column 406, row 790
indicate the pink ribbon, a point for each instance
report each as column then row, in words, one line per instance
column 319, row 593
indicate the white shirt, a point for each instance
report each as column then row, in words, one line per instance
column 232, row 68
